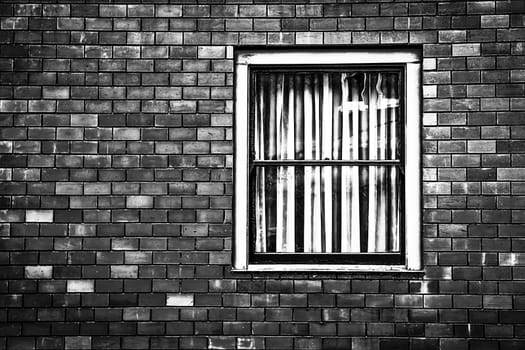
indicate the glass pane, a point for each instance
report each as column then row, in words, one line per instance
column 327, row 115
column 327, row 209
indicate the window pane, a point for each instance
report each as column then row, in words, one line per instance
column 327, row 115
column 327, row 209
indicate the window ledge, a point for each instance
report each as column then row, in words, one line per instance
column 326, row 268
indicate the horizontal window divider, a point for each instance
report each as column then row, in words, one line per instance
column 321, row 162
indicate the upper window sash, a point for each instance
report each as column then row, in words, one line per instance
column 342, row 81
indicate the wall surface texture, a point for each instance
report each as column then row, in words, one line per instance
column 116, row 180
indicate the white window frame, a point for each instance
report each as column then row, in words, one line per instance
column 411, row 60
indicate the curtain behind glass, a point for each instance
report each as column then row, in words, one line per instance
column 327, row 116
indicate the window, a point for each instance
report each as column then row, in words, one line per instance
column 327, row 162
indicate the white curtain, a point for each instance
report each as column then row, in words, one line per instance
column 327, row 116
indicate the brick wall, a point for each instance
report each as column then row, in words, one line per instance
column 116, row 156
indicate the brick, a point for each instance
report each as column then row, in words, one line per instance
column 365, row 10
column 494, row 21
column 466, row 49
column 451, row 36
column 394, row 37
column 365, row 37
column 323, row 24
column 481, row 146
column 13, row 106
column 308, row 38
column 423, row 37
column 497, row 302
column 510, row 174
column 124, row 271
column 179, row 299
column 510, row 35
column 77, row 342
column 80, row 286
column 39, row 272
column 168, row 10
column 139, row 202
column 39, row 216
column 511, row 259
column 351, row 24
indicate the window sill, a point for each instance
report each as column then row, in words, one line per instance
column 326, row 268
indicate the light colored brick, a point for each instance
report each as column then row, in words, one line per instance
column 436, row 188
column 39, row 215
column 6, row 146
column 481, row 146
column 466, row 49
column 139, row 202
column 429, row 119
column 179, row 299
column 80, row 286
column 430, row 91
column 84, row 120
column 39, row 272
column 82, row 230
column 124, row 271
column 512, row 259
column 6, row 174
column 124, row 244
column 429, row 63
column 211, row 52
column 169, row 11
column 97, row 188
column 308, row 38
column 126, row 133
